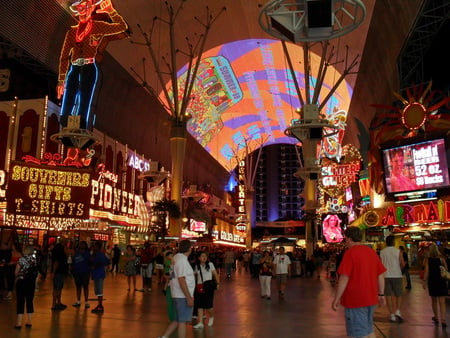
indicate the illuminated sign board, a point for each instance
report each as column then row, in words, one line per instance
column 101, row 237
column 342, row 175
column 432, row 211
column 227, row 237
column 242, row 211
column 110, row 202
column 107, row 197
column 45, row 191
column 137, row 162
column 416, row 196
column 241, row 188
column 2, row 184
column 197, row 225
column 241, row 227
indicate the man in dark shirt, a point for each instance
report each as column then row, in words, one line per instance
column 405, row 269
column 115, row 258
column 60, row 268
column 147, row 256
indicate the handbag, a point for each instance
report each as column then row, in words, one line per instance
column 210, row 285
column 199, row 288
column 444, row 273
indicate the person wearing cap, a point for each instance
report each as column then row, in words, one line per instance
column 82, row 49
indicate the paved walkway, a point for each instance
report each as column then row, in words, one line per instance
column 239, row 313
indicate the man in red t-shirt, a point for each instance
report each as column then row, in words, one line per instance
column 361, row 285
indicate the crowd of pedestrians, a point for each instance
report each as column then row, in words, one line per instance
column 189, row 277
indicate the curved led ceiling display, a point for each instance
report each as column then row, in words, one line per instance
column 244, row 91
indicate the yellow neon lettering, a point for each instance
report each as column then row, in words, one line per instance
column 61, row 208
column 41, row 191
column 45, row 207
column 32, row 190
column 69, row 178
column 44, row 176
column 52, row 212
column 76, row 180
column 35, row 206
column 48, row 191
column 24, row 175
column 18, row 202
column 80, row 208
column 71, row 206
column 34, row 175
column 15, row 175
column 66, row 194
column 86, row 178
column 61, row 180
column 52, row 177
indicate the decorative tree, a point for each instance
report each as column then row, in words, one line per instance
column 162, row 210
column 177, row 102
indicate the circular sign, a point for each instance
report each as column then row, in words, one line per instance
column 371, row 218
column 414, row 115
column 242, row 227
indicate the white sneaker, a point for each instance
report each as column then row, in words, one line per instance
column 393, row 318
column 210, row 321
column 199, row 326
column 398, row 316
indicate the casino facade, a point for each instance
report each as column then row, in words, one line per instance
column 108, row 189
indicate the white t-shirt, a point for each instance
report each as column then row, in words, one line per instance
column 281, row 263
column 181, row 268
column 390, row 256
column 207, row 274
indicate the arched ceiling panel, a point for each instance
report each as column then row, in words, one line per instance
column 245, row 91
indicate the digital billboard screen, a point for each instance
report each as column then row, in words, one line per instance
column 197, row 225
column 416, row 166
column 333, row 226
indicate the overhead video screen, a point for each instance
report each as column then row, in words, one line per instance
column 416, row 166
column 245, row 91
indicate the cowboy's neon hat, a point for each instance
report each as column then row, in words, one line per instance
column 74, row 7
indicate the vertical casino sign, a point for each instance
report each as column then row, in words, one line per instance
column 241, row 226
column 47, row 191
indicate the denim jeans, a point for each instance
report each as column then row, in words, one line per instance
column 81, row 83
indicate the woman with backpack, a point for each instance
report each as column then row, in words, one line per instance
column 26, row 273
